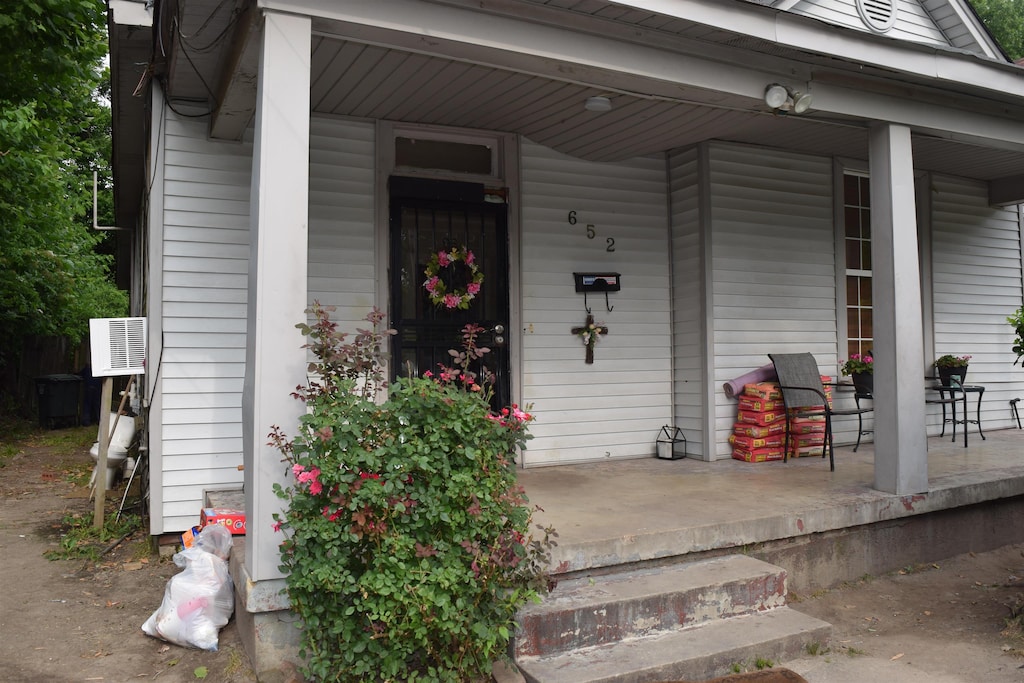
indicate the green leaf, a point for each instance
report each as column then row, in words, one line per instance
column 200, row 672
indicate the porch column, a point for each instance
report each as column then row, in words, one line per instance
column 274, row 362
column 901, row 448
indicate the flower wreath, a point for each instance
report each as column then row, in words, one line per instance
column 436, row 287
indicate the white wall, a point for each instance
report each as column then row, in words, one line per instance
column 912, row 22
column 772, row 266
column 688, row 311
column 205, row 261
column 615, row 407
column 976, row 269
column 205, row 252
column 341, row 219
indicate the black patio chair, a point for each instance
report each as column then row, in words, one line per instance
column 803, row 395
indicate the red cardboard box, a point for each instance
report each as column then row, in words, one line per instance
column 234, row 520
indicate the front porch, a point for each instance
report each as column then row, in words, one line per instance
column 822, row 527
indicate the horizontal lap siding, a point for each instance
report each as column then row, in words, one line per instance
column 772, row 266
column 976, row 273
column 912, row 21
column 687, row 299
column 341, row 219
column 615, row 407
column 205, row 264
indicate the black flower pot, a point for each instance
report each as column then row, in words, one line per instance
column 863, row 382
column 946, row 374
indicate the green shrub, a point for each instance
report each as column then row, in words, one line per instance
column 407, row 545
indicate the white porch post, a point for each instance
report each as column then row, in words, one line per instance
column 274, row 362
column 901, row 448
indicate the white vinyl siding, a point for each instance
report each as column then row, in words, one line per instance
column 951, row 23
column 912, row 22
column 341, row 219
column 615, row 407
column 205, row 265
column 205, row 250
column 688, row 300
column 976, row 271
column 772, row 266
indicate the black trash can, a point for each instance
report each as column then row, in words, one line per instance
column 58, row 398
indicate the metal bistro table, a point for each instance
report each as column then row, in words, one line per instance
column 948, row 394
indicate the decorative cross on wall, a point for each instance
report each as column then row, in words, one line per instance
column 589, row 333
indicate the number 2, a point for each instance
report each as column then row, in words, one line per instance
column 611, row 244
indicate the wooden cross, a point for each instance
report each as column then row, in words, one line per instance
column 594, row 329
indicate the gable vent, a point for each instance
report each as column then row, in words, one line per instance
column 118, row 346
column 879, row 15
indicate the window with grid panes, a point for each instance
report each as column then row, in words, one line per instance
column 857, row 229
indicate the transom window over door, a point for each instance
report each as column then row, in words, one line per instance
column 857, row 231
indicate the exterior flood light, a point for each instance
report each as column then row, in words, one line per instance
column 775, row 95
column 784, row 100
column 598, row 103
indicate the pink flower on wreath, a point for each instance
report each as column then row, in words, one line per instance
column 431, row 284
column 443, row 258
column 452, row 301
column 473, row 288
column 470, row 258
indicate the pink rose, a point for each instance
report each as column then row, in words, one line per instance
column 452, row 301
column 431, row 284
column 473, row 288
column 470, row 258
column 443, row 258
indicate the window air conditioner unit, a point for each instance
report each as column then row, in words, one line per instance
column 118, row 346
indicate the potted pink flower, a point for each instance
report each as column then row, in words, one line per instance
column 861, row 368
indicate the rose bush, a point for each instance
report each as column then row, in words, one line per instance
column 408, row 543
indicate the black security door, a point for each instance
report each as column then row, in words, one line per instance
column 427, row 217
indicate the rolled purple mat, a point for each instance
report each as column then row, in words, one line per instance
column 765, row 373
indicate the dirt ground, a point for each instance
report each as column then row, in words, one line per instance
column 80, row 620
column 76, row 619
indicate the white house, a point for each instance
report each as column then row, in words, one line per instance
column 269, row 153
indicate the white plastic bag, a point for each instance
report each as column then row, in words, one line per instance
column 198, row 601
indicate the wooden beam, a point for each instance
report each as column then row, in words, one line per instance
column 236, row 94
column 1006, row 191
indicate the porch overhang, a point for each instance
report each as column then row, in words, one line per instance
column 677, row 74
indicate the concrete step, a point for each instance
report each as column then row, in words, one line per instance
column 585, row 612
column 691, row 654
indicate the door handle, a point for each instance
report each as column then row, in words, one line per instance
column 499, row 334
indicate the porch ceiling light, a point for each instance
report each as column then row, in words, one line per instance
column 783, row 99
column 598, row 103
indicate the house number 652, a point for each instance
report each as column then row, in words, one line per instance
column 592, row 233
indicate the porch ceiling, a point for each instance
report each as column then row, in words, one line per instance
column 373, row 73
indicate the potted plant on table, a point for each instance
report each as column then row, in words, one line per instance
column 950, row 366
column 861, row 368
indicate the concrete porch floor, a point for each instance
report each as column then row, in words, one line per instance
column 609, row 514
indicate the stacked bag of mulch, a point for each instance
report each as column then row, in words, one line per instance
column 759, row 434
column 760, row 430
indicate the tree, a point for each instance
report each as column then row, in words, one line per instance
column 54, row 130
column 1005, row 20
